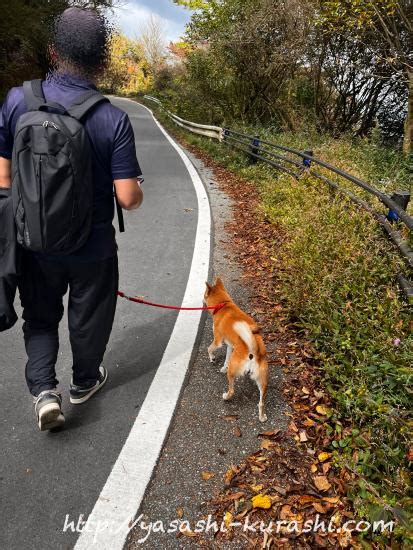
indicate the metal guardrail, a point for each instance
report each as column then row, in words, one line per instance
column 265, row 151
column 206, row 130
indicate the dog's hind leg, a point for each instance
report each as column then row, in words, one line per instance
column 227, row 359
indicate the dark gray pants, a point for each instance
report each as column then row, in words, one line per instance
column 91, row 310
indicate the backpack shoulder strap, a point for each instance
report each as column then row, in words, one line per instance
column 33, row 94
column 85, row 103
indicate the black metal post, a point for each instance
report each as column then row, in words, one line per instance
column 307, row 162
column 402, row 198
column 255, row 149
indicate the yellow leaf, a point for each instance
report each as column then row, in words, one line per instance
column 261, row 501
column 227, row 518
column 313, row 468
column 207, row 475
column 321, row 409
column 256, row 488
column 305, row 390
column 323, row 456
column 322, row 483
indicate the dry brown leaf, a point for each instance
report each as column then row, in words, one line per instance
column 319, row 508
column 188, row 533
column 180, row 512
column 303, row 436
column 331, row 500
column 237, row 432
column 266, row 444
column 326, row 467
column 314, row 468
column 230, row 417
column 292, row 426
column 271, row 433
column 322, row 483
column 207, row 475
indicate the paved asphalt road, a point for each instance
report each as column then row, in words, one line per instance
column 46, row 476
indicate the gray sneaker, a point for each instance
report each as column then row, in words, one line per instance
column 80, row 394
column 47, row 406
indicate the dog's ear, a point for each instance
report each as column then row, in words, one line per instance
column 209, row 287
column 219, row 282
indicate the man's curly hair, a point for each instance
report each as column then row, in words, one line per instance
column 81, row 39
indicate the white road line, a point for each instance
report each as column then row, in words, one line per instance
column 108, row 524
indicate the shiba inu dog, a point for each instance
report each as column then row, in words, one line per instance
column 246, row 353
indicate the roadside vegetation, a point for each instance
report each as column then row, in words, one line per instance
column 335, row 272
column 333, row 77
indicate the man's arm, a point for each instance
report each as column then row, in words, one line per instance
column 128, row 193
column 5, row 173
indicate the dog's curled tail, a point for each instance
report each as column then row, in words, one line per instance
column 250, row 334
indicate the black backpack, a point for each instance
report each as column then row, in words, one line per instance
column 52, row 173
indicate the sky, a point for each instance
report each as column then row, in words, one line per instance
column 134, row 13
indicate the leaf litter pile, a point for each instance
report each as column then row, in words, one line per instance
column 291, row 479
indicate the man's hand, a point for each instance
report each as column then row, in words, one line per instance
column 5, row 173
column 129, row 193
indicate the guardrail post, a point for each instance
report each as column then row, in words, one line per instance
column 307, row 162
column 402, row 198
column 255, row 149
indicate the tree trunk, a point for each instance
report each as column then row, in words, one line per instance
column 408, row 127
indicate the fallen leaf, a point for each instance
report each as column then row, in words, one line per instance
column 323, row 456
column 229, row 474
column 227, row 518
column 257, row 488
column 280, row 490
column 187, row 533
column 292, row 426
column 271, row 433
column 322, row 483
column 331, row 500
column 307, row 499
column 286, row 512
column 314, row 468
column 321, row 409
column 180, row 512
column 261, row 501
column 207, row 475
column 303, row 436
column 267, row 444
column 326, row 467
column 236, row 496
column 237, row 432
column 319, row 508
column 305, row 390
column 230, row 417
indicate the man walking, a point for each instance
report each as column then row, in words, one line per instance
column 89, row 269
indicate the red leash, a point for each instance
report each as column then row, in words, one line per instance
column 142, row 301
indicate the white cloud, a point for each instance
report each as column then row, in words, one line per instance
column 132, row 16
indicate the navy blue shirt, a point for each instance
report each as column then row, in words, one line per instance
column 114, row 154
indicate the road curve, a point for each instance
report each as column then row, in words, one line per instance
column 45, row 477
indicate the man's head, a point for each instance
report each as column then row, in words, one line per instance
column 81, row 39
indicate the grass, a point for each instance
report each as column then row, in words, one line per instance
column 337, row 276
